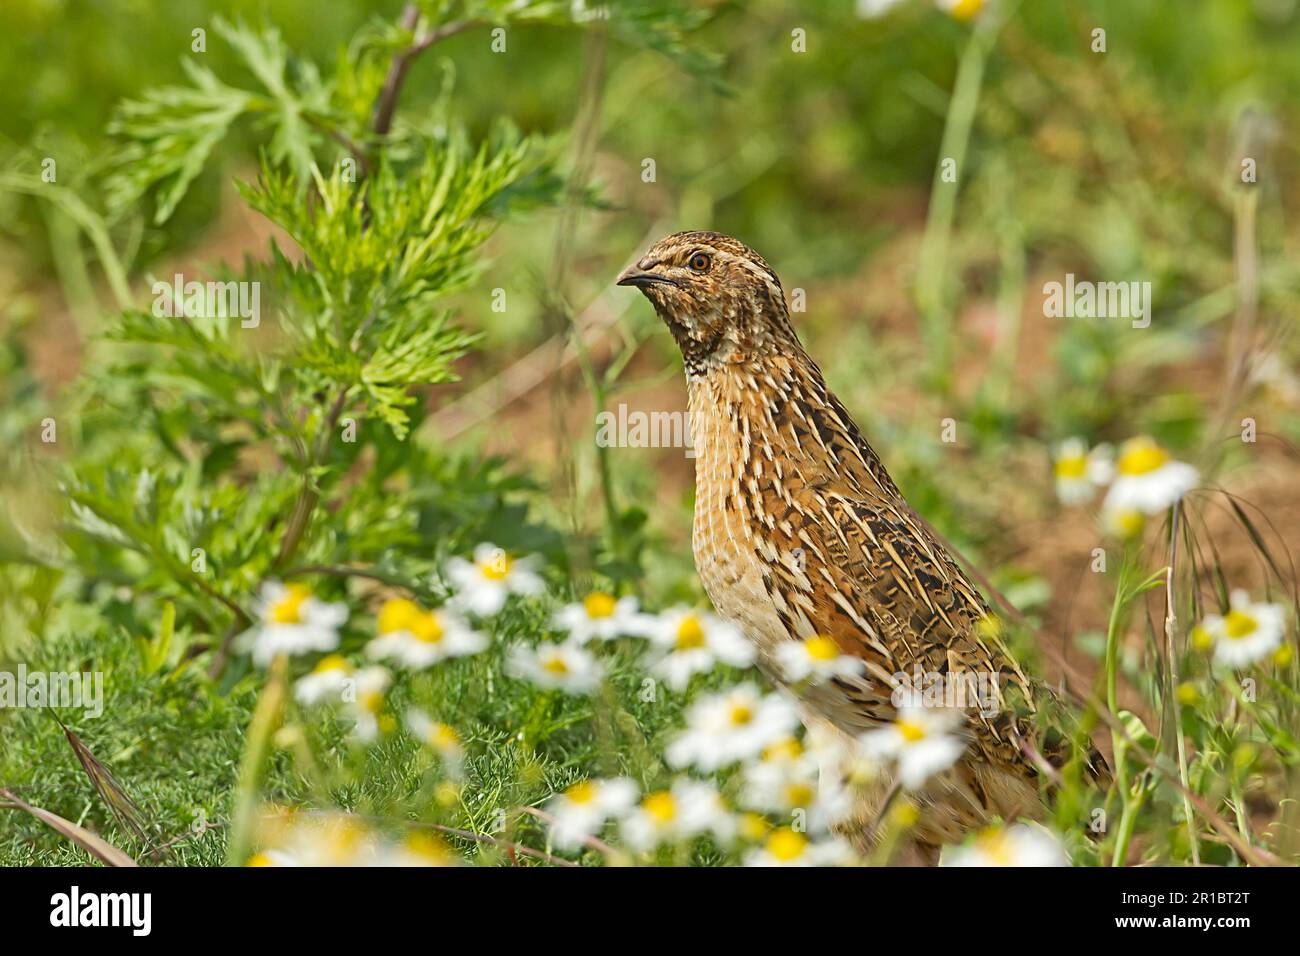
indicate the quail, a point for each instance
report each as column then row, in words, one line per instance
column 799, row 531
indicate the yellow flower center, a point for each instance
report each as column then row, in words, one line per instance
column 741, row 714
column 429, row 848
column 996, row 847
column 555, row 664
column 798, row 795
column 598, row 604
column 259, row 859
column 660, row 806
column 821, row 648
column 582, row 792
column 786, row 845
column 1072, row 466
column 427, row 628
column 372, row 700
column 1141, row 456
column 497, row 568
column 1239, row 624
column 334, row 662
column 965, row 9
column 1202, row 639
column 905, row 814
column 398, row 614
column 443, row 737
column 288, row 610
column 1129, row 523
column 787, row 749
column 752, row 826
column 912, row 731
column 690, row 633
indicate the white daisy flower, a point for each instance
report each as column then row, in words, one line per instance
column 1246, row 634
column 1123, row 523
column 1079, row 472
column 961, row 9
column 731, row 726
column 1147, row 479
column 441, row 738
column 327, row 681
column 783, row 779
column 600, row 616
column 1018, row 845
column 567, row 667
column 687, row 810
column 365, row 700
column 816, row 660
column 483, row 585
column 418, row 849
column 581, row 810
column 324, row 839
column 419, row 639
column 291, row 621
column 921, row 742
column 692, row 642
column 788, row 847
column 872, row 9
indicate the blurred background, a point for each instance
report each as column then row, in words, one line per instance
column 816, row 134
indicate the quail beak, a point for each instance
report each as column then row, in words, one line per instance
column 635, row 275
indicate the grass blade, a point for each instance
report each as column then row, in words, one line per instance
column 95, row 845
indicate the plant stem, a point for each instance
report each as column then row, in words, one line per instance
column 932, row 280
column 1171, row 651
column 1119, row 742
column 265, row 722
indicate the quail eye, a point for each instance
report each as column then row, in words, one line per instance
column 700, row 262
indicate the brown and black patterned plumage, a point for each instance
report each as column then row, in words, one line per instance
column 800, row 531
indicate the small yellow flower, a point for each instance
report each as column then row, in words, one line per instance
column 1202, row 639
column 429, row 849
column 660, row 806
column 821, row 648
column 1126, row 524
column 788, row 749
column 332, row 662
column 1284, row 655
column 963, row 9
column 904, row 814
column 912, row 731
column 427, row 627
column 752, row 827
column 740, row 714
column 1141, row 456
column 598, row 604
column 447, row 793
column 690, row 633
column 1188, row 694
column 497, row 568
column 786, row 845
column 584, row 791
column 288, row 610
column 398, row 614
